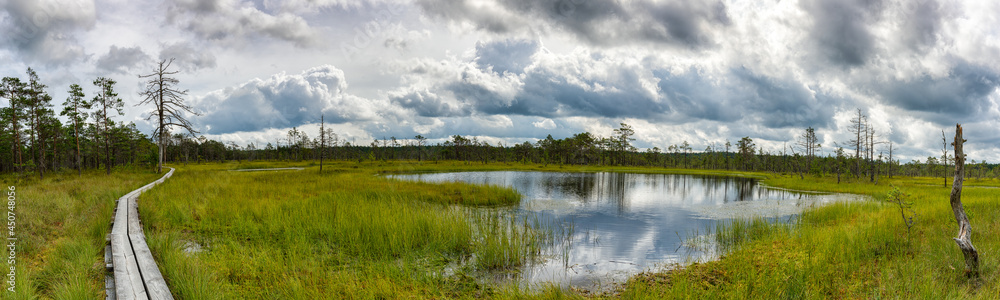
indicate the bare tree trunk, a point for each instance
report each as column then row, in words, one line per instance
column 964, row 239
column 322, row 142
column 76, row 133
column 107, row 142
column 944, row 158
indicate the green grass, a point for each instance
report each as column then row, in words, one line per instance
column 350, row 234
column 343, row 233
column 846, row 250
column 730, row 235
column 61, row 224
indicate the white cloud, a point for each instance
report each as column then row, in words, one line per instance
column 43, row 31
column 286, row 100
column 545, row 124
column 701, row 71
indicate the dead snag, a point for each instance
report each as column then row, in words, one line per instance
column 964, row 239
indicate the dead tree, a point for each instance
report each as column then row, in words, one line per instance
column 944, row 158
column 858, row 128
column 809, row 144
column 169, row 104
column 322, row 141
column 964, row 239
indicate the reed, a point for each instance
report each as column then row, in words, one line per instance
column 61, row 223
column 302, row 235
column 843, row 250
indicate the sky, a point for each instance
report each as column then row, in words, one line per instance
column 509, row 71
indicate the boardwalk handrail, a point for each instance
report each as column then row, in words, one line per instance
column 136, row 275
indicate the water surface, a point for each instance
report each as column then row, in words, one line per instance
column 618, row 224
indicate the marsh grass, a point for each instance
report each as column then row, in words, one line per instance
column 345, row 233
column 61, row 224
column 844, row 250
column 504, row 240
column 306, row 235
column 731, row 234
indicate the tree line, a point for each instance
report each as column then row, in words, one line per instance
column 34, row 140
column 37, row 141
column 866, row 163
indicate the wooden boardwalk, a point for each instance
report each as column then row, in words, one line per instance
column 269, row 169
column 133, row 272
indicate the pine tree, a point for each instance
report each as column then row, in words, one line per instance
column 105, row 100
column 75, row 108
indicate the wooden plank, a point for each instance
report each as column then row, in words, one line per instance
column 134, row 268
column 135, row 279
column 109, row 287
column 120, row 248
column 108, row 264
column 156, row 287
column 155, row 284
column 270, row 169
column 134, row 227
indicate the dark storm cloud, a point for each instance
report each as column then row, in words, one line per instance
column 781, row 103
column 921, row 26
column 682, row 23
column 186, row 57
column 741, row 95
column 505, row 56
column 42, row 31
column 586, row 84
column 841, row 29
column 548, row 93
column 226, row 20
column 583, row 18
column 122, row 60
column 679, row 21
column 283, row 101
column 963, row 93
column 600, row 86
column 694, row 96
column 461, row 10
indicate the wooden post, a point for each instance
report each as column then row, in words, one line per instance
column 964, row 239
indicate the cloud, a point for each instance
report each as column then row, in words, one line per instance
column 186, row 57
column 123, row 60
column 961, row 94
column 922, row 24
column 429, row 104
column 610, row 85
column 545, row 124
column 285, row 101
column 688, row 24
column 693, row 95
column 43, row 31
column 841, row 29
column 506, row 55
column 578, row 84
column 234, row 19
column 307, row 6
column 781, row 103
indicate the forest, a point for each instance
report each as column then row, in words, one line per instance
column 35, row 141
